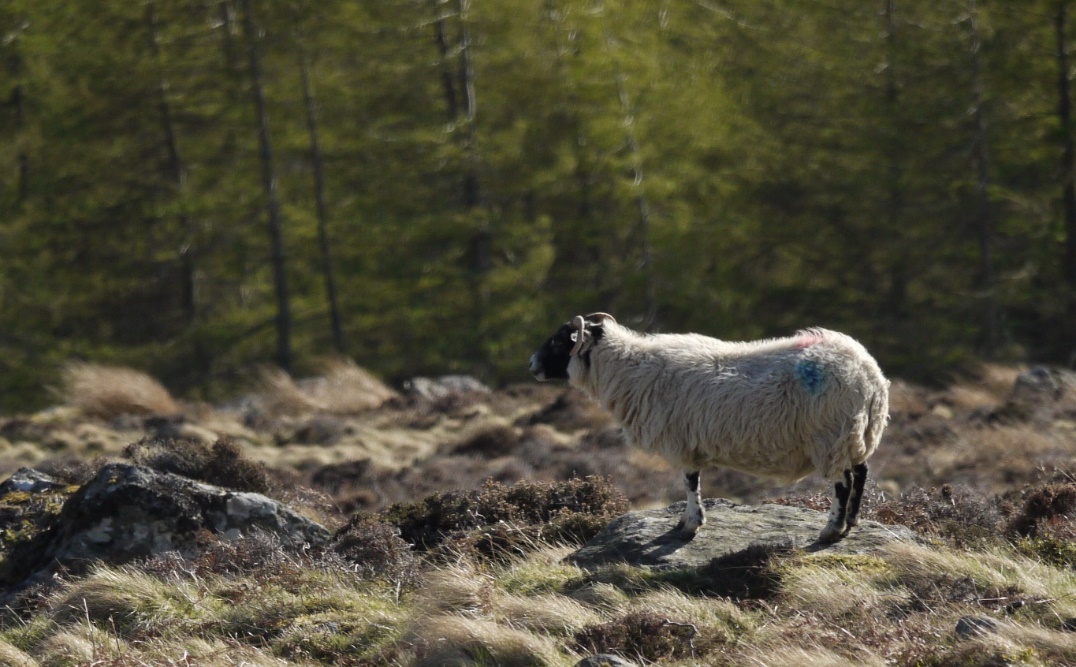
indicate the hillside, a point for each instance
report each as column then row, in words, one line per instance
column 454, row 508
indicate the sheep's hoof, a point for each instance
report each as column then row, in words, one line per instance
column 684, row 532
column 831, row 534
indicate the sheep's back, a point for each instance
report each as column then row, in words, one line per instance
column 775, row 408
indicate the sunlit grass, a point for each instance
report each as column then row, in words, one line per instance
column 111, row 391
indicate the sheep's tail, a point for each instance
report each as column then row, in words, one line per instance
column 877, row 418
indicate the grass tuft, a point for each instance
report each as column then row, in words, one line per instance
column 342, row 388
column 108, row 392
column 13, row 657
column 449, row 640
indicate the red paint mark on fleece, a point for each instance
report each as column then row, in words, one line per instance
column 805, row 341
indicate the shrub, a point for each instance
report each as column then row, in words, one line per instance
column 1049, row 505
column 72, row 469
column 489, row 442
column 639, row 634
column 374, row 549
column 259, row 555
column 557, row 511
column 222, row 464
column 962, row 516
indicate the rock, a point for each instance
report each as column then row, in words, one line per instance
column 975, row 626
column 128, row 512
column 446, row 385
column 29, row 480
column 1042, row 382
column 647, row 538
column 1039, row 385
column 1036, row 390
column 29, row 499
column 604, row 660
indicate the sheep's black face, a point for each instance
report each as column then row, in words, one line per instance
column 550, row 362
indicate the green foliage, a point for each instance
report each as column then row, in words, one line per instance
column 741, row 170
column 1055, row 551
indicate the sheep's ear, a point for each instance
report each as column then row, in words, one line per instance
column 598, row 318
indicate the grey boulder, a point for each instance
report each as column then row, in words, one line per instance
column 647, row 538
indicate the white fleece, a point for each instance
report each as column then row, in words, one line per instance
column 780, row 408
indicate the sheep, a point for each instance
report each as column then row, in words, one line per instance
column 780, row 408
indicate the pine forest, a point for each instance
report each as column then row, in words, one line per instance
column 196, row 188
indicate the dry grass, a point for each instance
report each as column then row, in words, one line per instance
column 998, row 380
column 72, row 647
column 999, row 458
column 108, row 392
column 899, row 607
column 726, row 620
column 131, row 600
column 448, row 640
column 838, row 588
column 342, row 388
column 13, row 657
column 780, row 654
column 457, row 589
column 554, row 615
column 907, row 398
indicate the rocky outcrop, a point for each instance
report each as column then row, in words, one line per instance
column 1041, row 393
column 128, row 512
column 28, row 480
column 433, row 389
column 647, row 538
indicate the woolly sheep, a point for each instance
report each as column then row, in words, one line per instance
column 780, row 408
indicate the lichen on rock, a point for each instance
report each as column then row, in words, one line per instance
column 130, row 512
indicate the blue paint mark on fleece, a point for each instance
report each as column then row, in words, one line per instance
column 812, row 375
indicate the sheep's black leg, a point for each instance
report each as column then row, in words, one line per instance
column 838, row 513
column 693, row 515
column 859, row 480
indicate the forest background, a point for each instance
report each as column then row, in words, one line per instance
column 196, row 187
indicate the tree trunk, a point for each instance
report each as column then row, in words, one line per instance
column 897, row 297
column 642, row 204
column 272, row 202
column 461, row 104
column 231, row 59
column 983, row 215
column 576, row 245
column 1068, row 168
column 177, row 174
column 18, row 100
column 481, row 243
column 319, row 201
column 448, row 82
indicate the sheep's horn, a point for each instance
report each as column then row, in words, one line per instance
column 579, row 325
column 601, row 317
